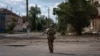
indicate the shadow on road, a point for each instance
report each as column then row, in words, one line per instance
column 64, row 54
column 17, row 45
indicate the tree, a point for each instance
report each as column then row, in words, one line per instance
column 36, row 22
column 41, row 23
column 82, row 12
column 44, row 21
column 11, row 25
column 33, row 15
column 63, row 13
column 39, row 26
column 78, row 13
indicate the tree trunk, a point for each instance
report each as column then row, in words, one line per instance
column 79, row 32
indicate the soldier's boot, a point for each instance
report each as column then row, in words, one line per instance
column 51, row 48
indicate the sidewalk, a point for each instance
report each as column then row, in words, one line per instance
column 37, row 36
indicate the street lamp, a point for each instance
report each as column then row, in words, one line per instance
column 48, row 16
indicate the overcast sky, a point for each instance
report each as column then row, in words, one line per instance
column 19, row 5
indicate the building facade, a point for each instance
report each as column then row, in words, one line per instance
column 6, row 17
column 95, row 23
column 2, row 21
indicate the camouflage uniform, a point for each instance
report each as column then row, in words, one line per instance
column 50, row 35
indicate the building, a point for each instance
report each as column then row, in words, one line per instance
column 95, row 23
column 6, row 17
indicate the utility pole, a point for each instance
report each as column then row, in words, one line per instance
column 27, row 10
column 27, row 17
column 19, row 13
column 48, row 17
column 7, row 6
column 11, row 8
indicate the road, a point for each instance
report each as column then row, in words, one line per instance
column 37, row 45
column 40, row 48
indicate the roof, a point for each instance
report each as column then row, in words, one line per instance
column 6, row 11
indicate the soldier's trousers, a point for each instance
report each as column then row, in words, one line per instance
column 50, row 44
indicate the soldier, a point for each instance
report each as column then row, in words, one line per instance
column 50, row 36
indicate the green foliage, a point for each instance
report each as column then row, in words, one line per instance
column 92, row 10
column 12, row 25
column 70, row 28
column 41, row 23
column 38, row 23
column 62, row 25
column 78, row 13
column 82, row 12
column 63, row 13
column 34, row 12
column 39, row 27
column 45, row 22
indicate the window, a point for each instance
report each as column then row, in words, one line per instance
column 2, row 18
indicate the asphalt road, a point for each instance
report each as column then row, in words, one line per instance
column 40, row 48
column 36, row 45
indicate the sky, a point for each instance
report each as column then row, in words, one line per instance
column 18, row 6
